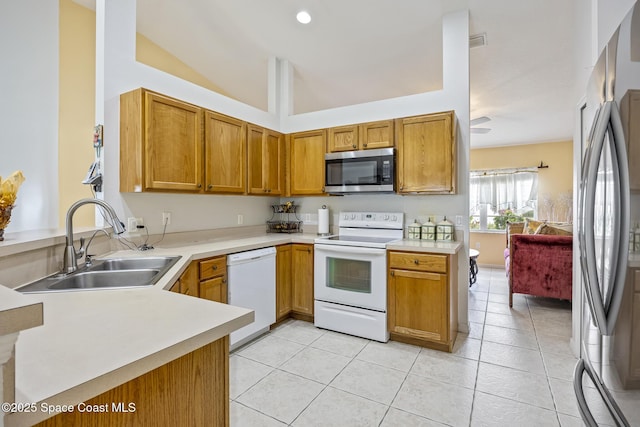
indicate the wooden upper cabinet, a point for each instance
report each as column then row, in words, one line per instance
column 225, row 153
column 343, row 138
column 364, row 136
column 160, row 143
column 630, row 112
column 426, row 157
column 306, row 163
column 265, row 160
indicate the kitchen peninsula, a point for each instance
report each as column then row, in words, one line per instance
column 121, row 347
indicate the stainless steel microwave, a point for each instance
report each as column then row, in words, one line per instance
column 365, row 171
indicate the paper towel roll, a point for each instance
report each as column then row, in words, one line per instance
column 323, row 221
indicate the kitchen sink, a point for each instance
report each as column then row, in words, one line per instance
column 114, row 273
column 155, row 263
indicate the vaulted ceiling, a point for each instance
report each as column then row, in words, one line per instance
column 362, row 50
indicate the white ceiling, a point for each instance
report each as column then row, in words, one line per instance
column 364, row 50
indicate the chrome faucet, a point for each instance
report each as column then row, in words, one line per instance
column 71, row 256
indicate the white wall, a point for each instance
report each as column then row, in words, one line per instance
column 29, row 108
column 116, row 42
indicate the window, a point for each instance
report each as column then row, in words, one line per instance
column 501, row 195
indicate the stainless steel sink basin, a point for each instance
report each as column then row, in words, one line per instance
column 155, row 263
column 106, row 279
column 115, row 273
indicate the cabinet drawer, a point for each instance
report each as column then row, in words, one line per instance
column 213, row 267
column 417, row 261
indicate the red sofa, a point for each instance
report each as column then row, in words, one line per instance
column 540, row 265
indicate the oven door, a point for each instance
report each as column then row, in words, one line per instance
column 351, row 275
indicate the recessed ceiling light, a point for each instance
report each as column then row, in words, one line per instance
column 303, row 17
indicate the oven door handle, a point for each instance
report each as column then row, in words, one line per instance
column 350, row 249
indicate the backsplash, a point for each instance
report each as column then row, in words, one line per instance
column 413, row 207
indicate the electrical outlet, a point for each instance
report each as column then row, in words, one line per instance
column 133, row 223
column 307, row 218
column 240, row 219
column 459, row 220
column 166, row 218
column 477, row 245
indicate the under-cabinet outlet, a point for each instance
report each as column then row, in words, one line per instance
column 477, row 245
column 166, row 218
column 240, row 219
column 133, row 223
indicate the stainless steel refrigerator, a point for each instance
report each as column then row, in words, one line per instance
column 604, row 226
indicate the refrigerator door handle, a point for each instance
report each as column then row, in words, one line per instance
column 581, row 368
column 622, row 170
column 589, row 261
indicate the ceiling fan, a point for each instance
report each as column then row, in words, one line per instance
column 479, row 121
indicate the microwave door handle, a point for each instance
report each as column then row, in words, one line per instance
column 349, row 249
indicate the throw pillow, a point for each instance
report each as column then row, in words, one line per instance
column 550, row 230
column 530, row 226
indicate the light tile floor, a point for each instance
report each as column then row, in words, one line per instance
column 514, row 368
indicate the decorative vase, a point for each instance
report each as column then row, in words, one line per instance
column 5, row 217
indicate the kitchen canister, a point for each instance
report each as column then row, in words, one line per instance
column 429, row 230
column 445, row 231
column 323, row 220
column 413, row 230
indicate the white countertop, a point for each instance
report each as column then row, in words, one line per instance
column 92, row 341
column 449, row 248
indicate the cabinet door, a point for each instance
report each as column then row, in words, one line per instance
column 302, row 278
column 189, row 280
column 417, row 304
column 172, row 144
column 255, row 160
column 630, row 111
column 176, row 287
column 343, row 138
column 283, row 281
column 376, row 135
column 426, row 154
column 274, row 160
column 225, row 141
column 214, row 289
column 306, row 163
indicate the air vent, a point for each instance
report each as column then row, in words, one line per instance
column 477, row 40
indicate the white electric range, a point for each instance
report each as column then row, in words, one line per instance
column 350, row 274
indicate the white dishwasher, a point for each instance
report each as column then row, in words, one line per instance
column 252, row 284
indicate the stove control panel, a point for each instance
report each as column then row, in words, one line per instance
column 392, row 220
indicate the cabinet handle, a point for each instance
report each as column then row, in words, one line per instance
column 393, row 273
column 402, row 187
column 354, row 145
column 199, row 185
column 308, row 250
column 224, row 280
column 323, row 189
column 215, row 267
column 364, row 145
column 416, row 262
column 269, row 191
column 210, row 186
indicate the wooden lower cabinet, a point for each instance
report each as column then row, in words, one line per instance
column 283, row 282
column 294, row 281
column 213, row 279
column 192, row 390
column 205, row 279
column 302, row 280
column 422, row 299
